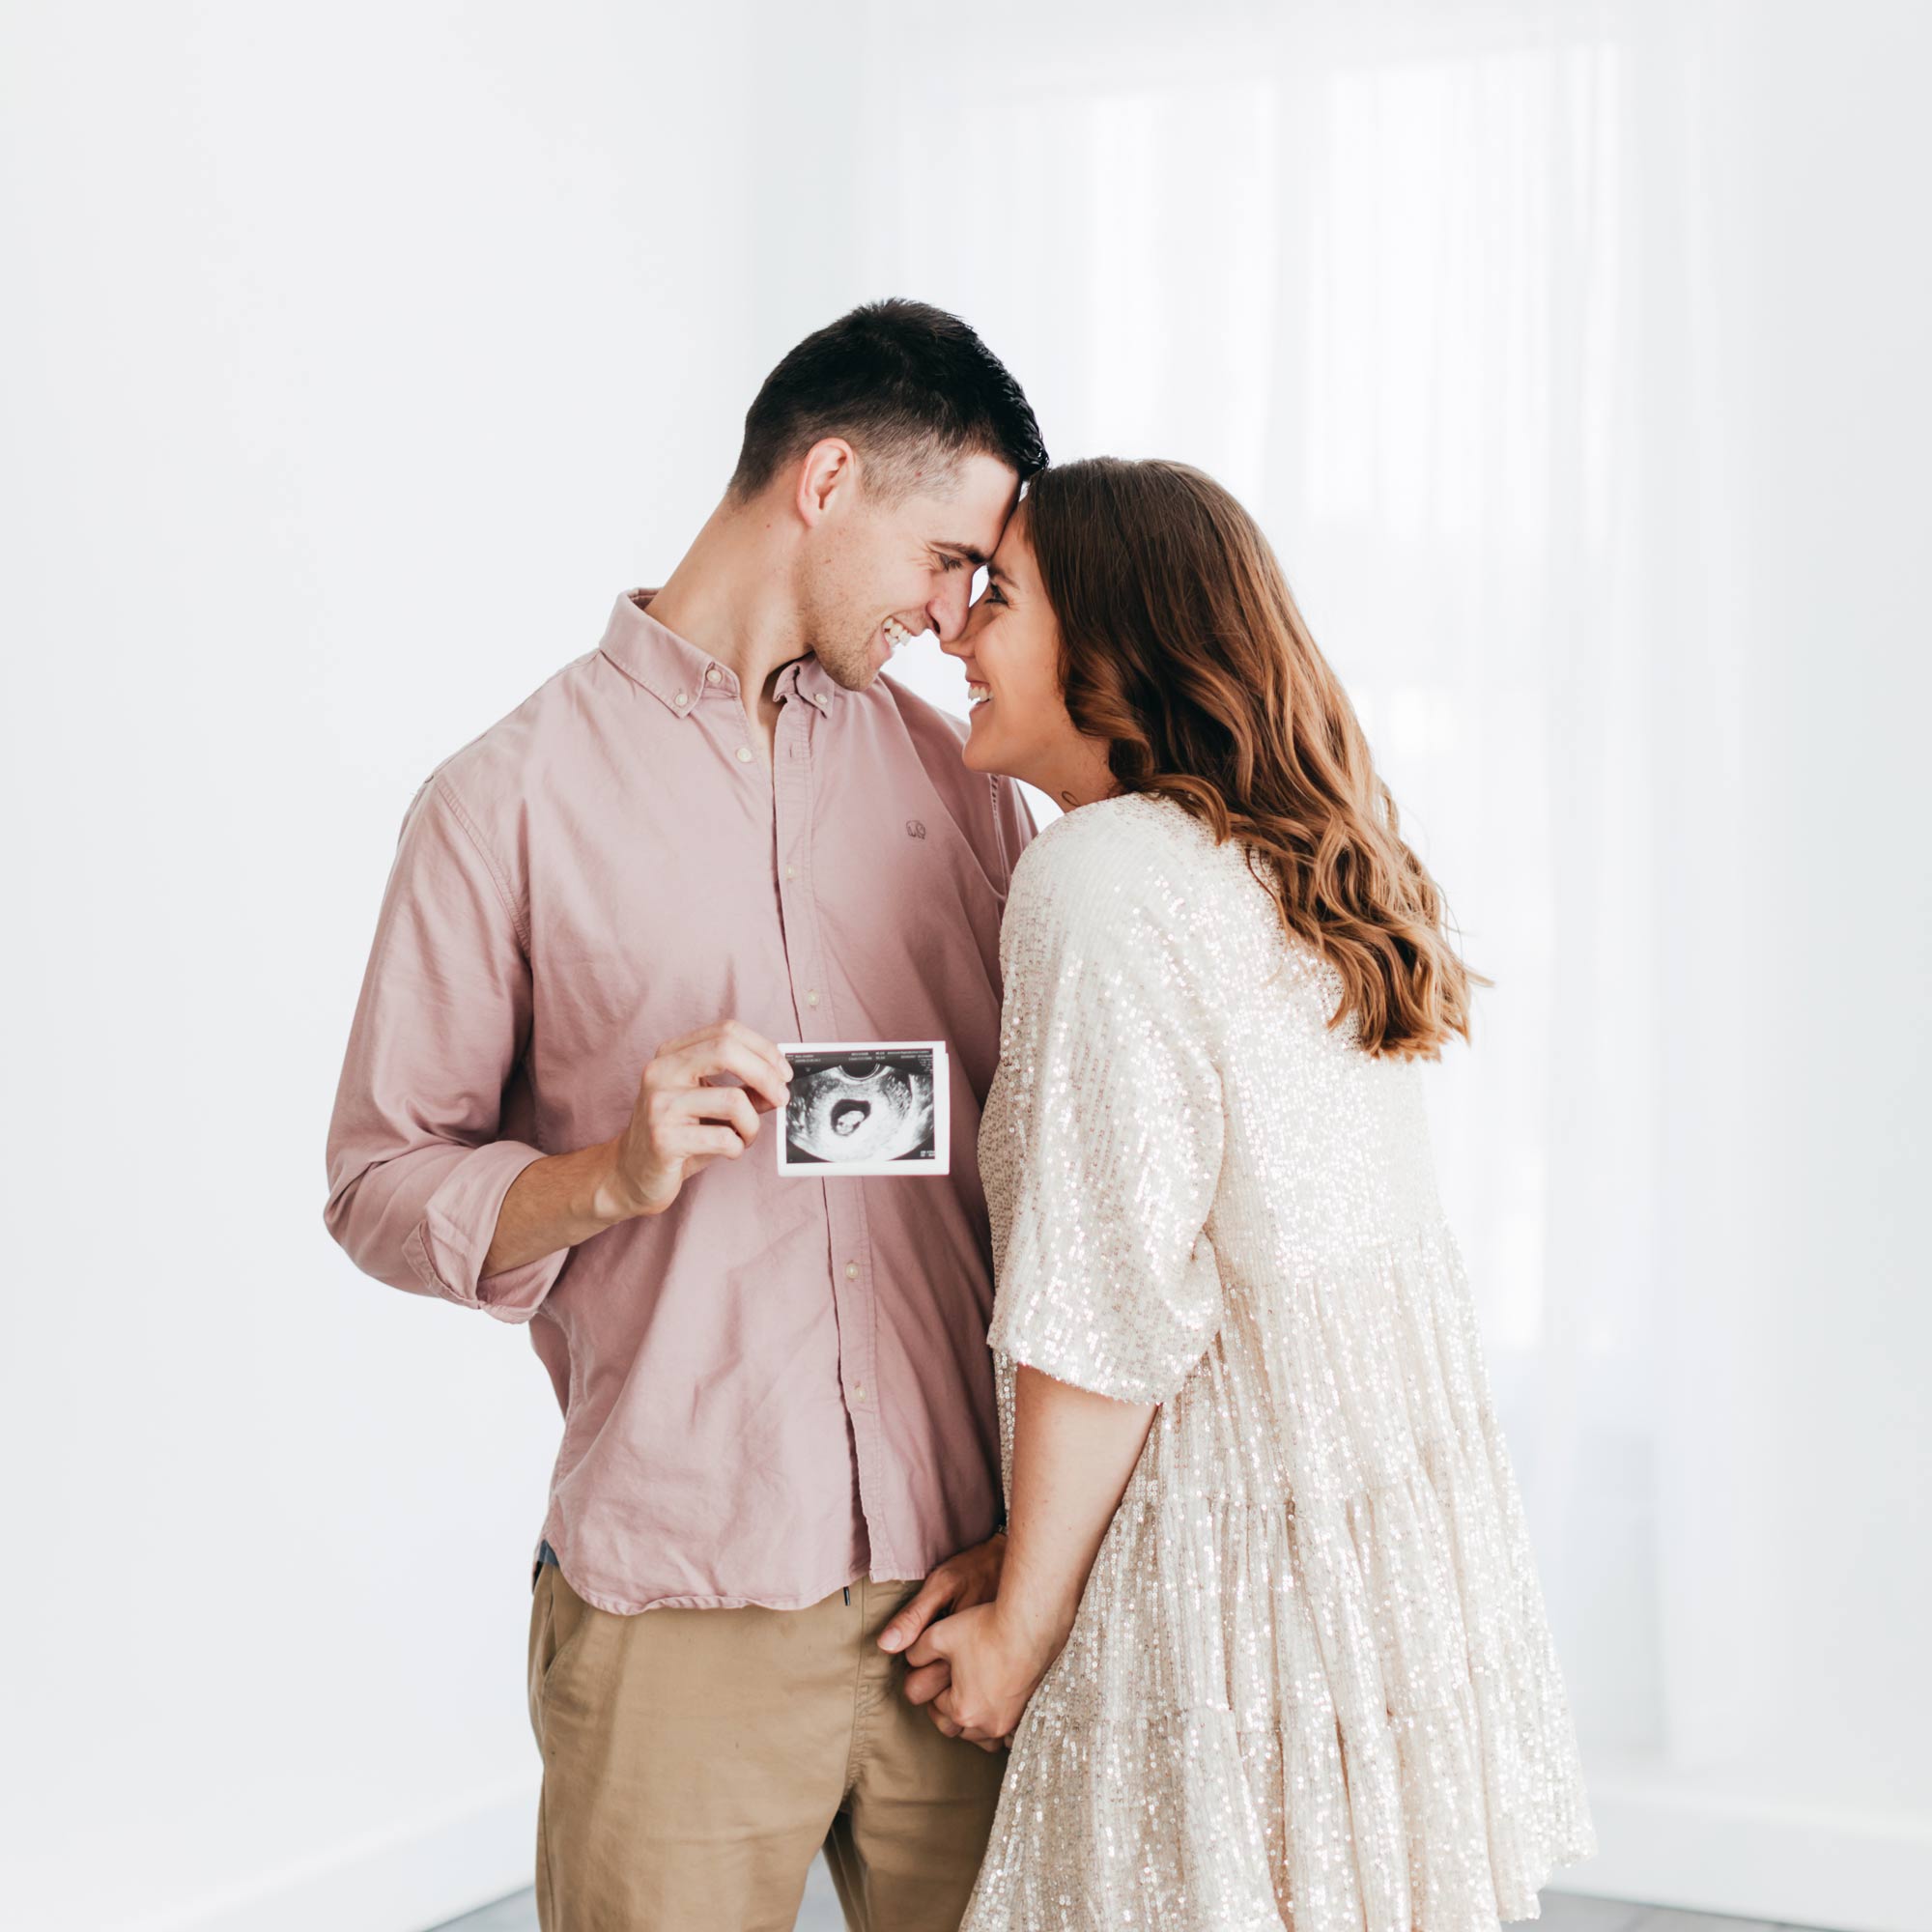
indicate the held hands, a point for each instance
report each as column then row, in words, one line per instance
column 680, row 1123
column 995, row 1664
column 973, row 1665
column 961, row 1583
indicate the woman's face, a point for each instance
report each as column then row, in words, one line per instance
column 1010, row 651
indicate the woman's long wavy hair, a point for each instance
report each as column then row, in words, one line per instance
column 1182, row 644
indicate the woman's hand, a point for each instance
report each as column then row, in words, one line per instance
column 995, row 1666
column 972, row 1576
column 1074, row 1451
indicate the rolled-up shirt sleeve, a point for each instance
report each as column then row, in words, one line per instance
column 416, row 1170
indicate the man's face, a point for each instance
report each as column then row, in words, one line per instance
column 878, row 574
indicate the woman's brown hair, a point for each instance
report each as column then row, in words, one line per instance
column 1182, row 644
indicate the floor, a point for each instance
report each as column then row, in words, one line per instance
column 1562, row 1911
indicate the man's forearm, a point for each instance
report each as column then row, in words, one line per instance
column 1073, row 1452
column 555, row 1202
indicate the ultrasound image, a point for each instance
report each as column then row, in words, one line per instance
column 871, row 1108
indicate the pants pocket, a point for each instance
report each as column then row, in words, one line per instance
column 543, row 1643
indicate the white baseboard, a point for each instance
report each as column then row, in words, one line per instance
column 1667, row 1843
column 1663, row 1843
column 396, row 1881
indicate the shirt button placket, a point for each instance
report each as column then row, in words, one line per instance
column 844, row 1208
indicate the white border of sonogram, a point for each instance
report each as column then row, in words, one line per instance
column 899, row 1169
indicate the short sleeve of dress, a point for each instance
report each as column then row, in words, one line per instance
column 1104, row 1146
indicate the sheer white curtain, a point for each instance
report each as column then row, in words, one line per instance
column 1384, row 296
column 1457, row 298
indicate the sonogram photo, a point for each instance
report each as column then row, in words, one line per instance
column 866, row 1108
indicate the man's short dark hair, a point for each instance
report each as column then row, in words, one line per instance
column 912, row 389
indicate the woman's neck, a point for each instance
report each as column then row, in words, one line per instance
column 1082, row 776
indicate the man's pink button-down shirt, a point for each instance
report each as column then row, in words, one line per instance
column 779, row 1385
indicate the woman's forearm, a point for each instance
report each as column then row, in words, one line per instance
column 1073, row 1452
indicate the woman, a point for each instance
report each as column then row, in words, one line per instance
column 1269, row 1606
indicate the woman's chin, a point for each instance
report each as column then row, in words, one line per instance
column 979, row 742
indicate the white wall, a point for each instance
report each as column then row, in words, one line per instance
column 353, row 360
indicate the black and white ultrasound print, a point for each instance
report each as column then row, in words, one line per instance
column 866, row 1108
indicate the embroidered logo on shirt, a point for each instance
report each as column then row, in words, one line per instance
column 915, row 828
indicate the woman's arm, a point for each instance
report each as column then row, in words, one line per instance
column 1073, row 1452
column 1112, row 1136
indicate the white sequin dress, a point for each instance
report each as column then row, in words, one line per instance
column 1311, row 1684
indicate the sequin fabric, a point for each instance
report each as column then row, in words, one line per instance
column 1311, row 1684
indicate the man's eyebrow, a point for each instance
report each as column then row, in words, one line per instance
column 973, row 555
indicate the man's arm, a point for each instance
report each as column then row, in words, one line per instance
column 678, row 1124
column 420, row 1185
column 418, row 1172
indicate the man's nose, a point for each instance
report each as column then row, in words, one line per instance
column 947, row 613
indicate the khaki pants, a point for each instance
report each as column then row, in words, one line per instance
column 694, row 1761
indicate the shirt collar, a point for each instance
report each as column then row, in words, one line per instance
column 678, row 675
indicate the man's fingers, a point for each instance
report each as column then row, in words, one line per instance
column 940, row 1713
column 929, row 1646
column 728, row 1047
column 923, row 1685
column 721, row 1030
column 730, row 1105
column 702, row 1146
column 935, row 1594
column 766, row 1075
column 989, row 1744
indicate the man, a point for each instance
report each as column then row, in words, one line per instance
column 718, row 829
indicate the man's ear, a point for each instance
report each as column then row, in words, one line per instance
column 828, row 471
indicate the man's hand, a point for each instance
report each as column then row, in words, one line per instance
column 680, row 1123
column 971, row 1578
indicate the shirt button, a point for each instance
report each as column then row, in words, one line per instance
column 851, row 1270
column 791, row 871
column 682, row 698
column 858, row 1391
column 711, row 673
column 811, row 999
column 744, row 754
